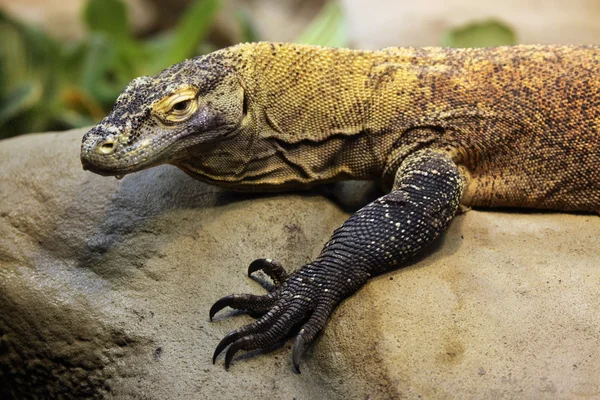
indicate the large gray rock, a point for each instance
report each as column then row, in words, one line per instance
column 105, row 287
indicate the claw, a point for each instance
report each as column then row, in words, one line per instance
column 298, row 351
column 258, row 265
column 219, row 305
column 272, row 268
column 230, row 338
column 235, row 347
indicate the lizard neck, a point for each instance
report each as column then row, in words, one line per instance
column 251, row 161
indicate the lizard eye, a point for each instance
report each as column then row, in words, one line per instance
column 182, row 105
column 181, row 110
column 177, row 107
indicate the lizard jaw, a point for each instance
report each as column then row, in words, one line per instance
column 108, row 152
column 116, row 160
column 99, row 171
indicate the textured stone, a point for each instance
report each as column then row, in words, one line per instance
column 105, row 287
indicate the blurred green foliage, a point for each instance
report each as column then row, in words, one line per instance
column 480, row 34
column 329, row 28
column 50, row 85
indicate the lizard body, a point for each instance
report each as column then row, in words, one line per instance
column 507, row 126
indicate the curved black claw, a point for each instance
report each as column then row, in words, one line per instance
column 257, row 265
column 226, row 341
column 255, row 305
column 298, row 351
column 272, row 268
column 235, row 347
column 219, row 305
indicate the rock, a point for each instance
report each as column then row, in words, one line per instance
column 105, row 288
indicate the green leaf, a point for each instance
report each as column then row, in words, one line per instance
column 25, row 53
column 329, row 28
column 17, row 101
column 107, row 16
column 190, row 30
column 73, row 119
column 480, row 34
column 249, row 32
column 28, row 76
column 157, row 47
column 98, row 64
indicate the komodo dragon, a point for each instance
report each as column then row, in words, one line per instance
column 437, row 128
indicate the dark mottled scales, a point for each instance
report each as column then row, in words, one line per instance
column 507, row 126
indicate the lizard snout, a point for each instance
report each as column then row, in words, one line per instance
column 98, row 149
column 98, row 143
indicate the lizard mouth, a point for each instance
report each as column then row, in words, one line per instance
column 104, row 172
column 106, row 156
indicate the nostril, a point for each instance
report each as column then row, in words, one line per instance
column 107, row 147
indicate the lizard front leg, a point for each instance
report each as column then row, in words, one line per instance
column 425, row 196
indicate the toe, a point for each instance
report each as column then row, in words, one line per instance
column 226, row 341
column 260, row 325
column 243, row 343
column 255, row 305
column 219, row 305
column 309, row 331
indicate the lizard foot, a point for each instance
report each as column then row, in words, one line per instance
column 307, row 296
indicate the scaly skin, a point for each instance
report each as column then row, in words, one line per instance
column 507, row 126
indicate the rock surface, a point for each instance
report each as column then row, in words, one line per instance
column 105, row 287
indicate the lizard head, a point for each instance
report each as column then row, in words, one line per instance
column 155, row 119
